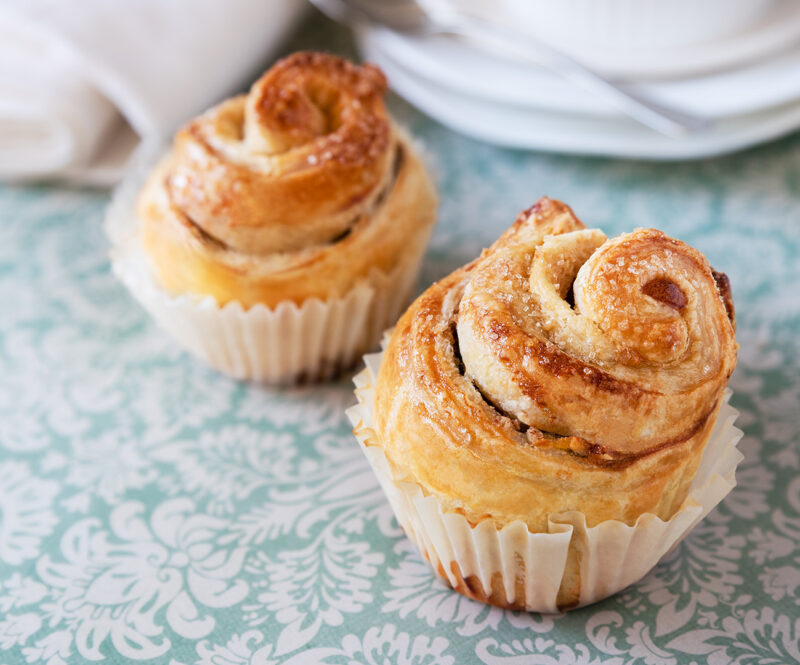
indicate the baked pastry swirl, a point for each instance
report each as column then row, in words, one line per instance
column 297, row 190
column 560, row 371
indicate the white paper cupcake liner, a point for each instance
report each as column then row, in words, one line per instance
column 286, row 344
column 610, row 555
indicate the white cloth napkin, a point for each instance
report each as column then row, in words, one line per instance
column 82, row 82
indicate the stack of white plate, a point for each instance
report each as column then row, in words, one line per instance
column 747, row 79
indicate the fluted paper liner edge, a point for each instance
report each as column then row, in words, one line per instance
column 614, row 554
column 280, row 345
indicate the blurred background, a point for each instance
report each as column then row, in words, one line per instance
column 82, row 86
column 539, row 98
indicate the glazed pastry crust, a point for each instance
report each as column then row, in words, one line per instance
column 505, row 402
column 299, row 189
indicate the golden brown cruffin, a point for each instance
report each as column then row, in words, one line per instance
column 284, row 230
column 299, row 189
column 560, row 371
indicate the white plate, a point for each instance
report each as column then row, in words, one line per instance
column 466, row 70
column 775, row 31
column 519, row 127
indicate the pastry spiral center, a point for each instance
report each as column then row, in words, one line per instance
column 634, row 289
column 665, row 291
column 291, row 120
column 319, row 101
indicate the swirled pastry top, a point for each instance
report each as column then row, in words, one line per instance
column 275, row 181
column 563, row 359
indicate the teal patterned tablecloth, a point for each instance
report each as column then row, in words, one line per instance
column 153, row 510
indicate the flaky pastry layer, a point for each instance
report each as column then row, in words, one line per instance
column 559, row 371
column 297, row 190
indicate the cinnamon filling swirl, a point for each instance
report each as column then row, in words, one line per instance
column 594, row 453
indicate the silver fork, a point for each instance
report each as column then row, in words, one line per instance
column 406, row 16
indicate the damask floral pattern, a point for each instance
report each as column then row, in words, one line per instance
column 26, row 514
column 153, row 510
